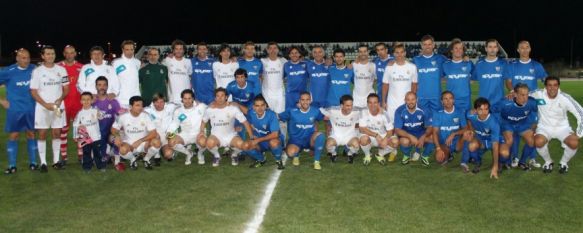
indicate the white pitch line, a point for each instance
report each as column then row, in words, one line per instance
column 255, row 223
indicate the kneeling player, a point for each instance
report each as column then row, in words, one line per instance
column 449, row 124
column 483, row 135
column 376, row 130
column 266, row 135
column 344, row 132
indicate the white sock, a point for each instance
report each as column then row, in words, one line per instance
column 331, row 149
column 235, row 152
column 567, row 155
column 116, row 159
column 42, row 151
column 544, row 153
column 129, row 156
column 366, row 149
column 283, row 130
column 200, row 154
column 56, row 150
column 180, row 148
column 352, row 150
column 215, row 151
column 384, row 151
column 151, row 152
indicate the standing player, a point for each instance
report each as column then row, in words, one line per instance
column 72, row 100
column 458, row 73
column 224, row 68
column 161, row 114
column 179, row 71
column 399, row 78
column 449, row 125
column 153, row 77
column 266, row 136
column 429, row 69
column 303, row 130
column 376, row 130
column 139, row 134
column 108, row 113
column 294, row 72
column 483, row 134
column 272, row 78
column 381, row 61
column 524, row 70
column 98, row 67
column 49, row 86
column 553, row 123
column 341, row 79
column 127, row 69
column 252, row 65
column 364, row 77
column 203, row 79
column 19, row 106
column 344, row 121
column 488, row 72
column 319, row 76
column 222, row 118
column 413, row 126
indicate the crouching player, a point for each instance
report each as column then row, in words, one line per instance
column 376, row 129
column 449, row 125
column 266, row 136
column 161, row 114
column 344, row 132
column 413, row 126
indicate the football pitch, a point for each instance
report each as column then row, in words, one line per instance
column 341, row 198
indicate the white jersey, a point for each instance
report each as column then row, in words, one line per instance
column 364, row 77
column 400, row 78
column 188, row 120
column 224, row 73
column 552, row 113
column 272, row 84
column 343, row 126
column 134, row 127
column 49, row 82
column 179, row 72
column 127, row 70
column 90, row 72
column 90, row 119
column 161, row 119
column 379, row 123
column 223, row 120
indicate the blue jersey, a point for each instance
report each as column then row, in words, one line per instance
column 525, row 72
column 301, row 125
column 241, row 95
column 296, row 76
column 486, row 130
column 17, row 82
column 263, row 126
column 489, row 75
column 448, row 122
column 341, row 80
column 415, row 122
column 458, row 75
column 319, row 79
column 203, row 81
column 512, row 113
column 429, row 73
column 254, row 68
column 380, row 65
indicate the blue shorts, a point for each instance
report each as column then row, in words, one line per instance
column 463, row 104
column 320, row 104
column 264, row 146
column 417, row 134
column 515, row 128
column 19, row 121
column 433, row 104
column 453, row 145
column 302, row 143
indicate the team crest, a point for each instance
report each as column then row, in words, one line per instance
column 148, row 72
column 406, row 117
column 142, row 123
column 531, row 71
column 209, row 64
column 346, row 75
column 497, row 68
column 408, row 73
column 487, row 130
column 264, row 126
column 109, row 106
column 311, row 118
column 313, row 67
column 526, row 112
column 419, row 117
column 456, row 120
column 255, row 67
column 196, row 63
column 161, row 71
column 433, row 63
column 464, row 68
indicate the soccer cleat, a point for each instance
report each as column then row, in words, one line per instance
column 10, row 170
column 505, row 166
column 57, row 166
column 415, row 157
column 43, row 168
column 188, row 160
column 200, row 158
column 548, row 167
column 120, row 167
column 216, row 161
column 450, row 158
column 381, row 159
column 514, row 162
column 279, row 164
column 523, row 166
column 425, row 161
column 296, row 161
column 317, row 165
column 564, row 168
column 234, row 160
column 405, row 160
column 350, row 159
column 366, row 160
column 157, row 162
column 533, row 163
column 393, row 156
column 64, row 162
column 148, row 165
column 465, row 167
column 257, row 164
column 134, row 164
column 333, row 158
column 476, row 168
column 33, row 167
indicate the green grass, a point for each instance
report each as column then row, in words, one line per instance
column 340, row 198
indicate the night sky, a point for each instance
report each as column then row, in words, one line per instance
column 549, row 26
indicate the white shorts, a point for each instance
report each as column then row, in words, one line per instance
column 342, row 141
column 359, row 102
column 187, row 138
column 163, row 139
column 556, row 133
column 373, row 140
column 225, row 141
column 276, row 102
column 141, row 148
column 44, row 119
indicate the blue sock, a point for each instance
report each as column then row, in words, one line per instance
column 515, row 146
column 319, row 146
column 429, row 147
column 32, row 150
column 12, row 149
column 256, row 155
column 277, row 152
column 465, row 153
column 406, row 150
column 526, row 153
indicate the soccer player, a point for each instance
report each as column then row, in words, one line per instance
column 553, row 123
column 252, row 65
column 516, row 117
column 203, row 79
column 153, row 77
column 192, row 131
column 319, row 76
column 20, row 107
column 303, row 130
column 344, row 121
column 139, row 134
column 413, row 126
column 429, row 69
column 161, row 114
column 341, row 79
column 222, row 118
column 489, row 74
column 399, row 78
column 127, row 69
column 98, row 67
column 381, row 61
column 49, row 86
column 272, row 78
column 179, row 71
column 87, row 121
column 524, row 70
column 242, row 90
column 224, row 68
column 296, row 76
column 72, row 100
column 376, row 130
column 458, row 74
column 449, row 125
column 109, row 109
column 266, row 136
column 364, row 77
column 483, row 134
